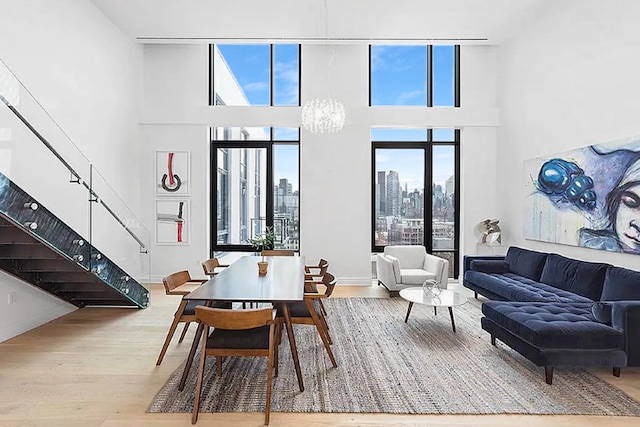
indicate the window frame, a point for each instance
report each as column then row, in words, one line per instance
column 429, row 79
column 428, row 146
column 214, row 99
column 269, row 146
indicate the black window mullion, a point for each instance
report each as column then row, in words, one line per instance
column 429, row 76
column 272, row 74
column 456, row 186
column 428, row 195
column 456, row 75
column 370, row 71
column 212, row 94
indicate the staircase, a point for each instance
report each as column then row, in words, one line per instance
column 40, row 249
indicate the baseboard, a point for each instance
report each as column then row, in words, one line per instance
column 353, row 281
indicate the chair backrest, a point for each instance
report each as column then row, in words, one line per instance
column 220, row 318
column 174, row 280
column 409, row 256
column 210, row 265
column 277, row 252
column 329, row 281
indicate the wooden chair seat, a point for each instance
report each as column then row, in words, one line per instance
column 185, row 312
column 236, row 333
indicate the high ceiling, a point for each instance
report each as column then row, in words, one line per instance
column 346, row 21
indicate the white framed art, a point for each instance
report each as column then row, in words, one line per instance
column 172, row 221
column 172, row 173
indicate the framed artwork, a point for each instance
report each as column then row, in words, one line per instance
column 588, row 197
column 172, row 221
column 172, row 173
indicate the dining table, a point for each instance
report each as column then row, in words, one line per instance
column 240, row 282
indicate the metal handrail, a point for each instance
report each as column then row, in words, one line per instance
column 78, row 179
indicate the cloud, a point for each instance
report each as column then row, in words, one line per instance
column 287, row 78
column 256, row 87
column 403, row 97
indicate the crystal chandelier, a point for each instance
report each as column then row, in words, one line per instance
column 323, row 115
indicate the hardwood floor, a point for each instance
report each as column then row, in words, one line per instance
column 96, row 367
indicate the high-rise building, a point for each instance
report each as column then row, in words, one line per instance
column 449, row 186
column 394, row 194
column 381, row 194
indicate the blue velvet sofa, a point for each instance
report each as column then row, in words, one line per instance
column 558, row 311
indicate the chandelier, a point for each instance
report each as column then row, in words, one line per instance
column 323, row 115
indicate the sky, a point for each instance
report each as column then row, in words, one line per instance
column 398, row 77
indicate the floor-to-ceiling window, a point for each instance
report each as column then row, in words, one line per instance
column 415, row 171
column 415, row 187
column 244, row 204
column 255, row 170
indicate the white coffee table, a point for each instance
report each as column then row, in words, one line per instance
column 446, row 298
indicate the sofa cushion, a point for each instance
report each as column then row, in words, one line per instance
column 526, row 263
column 513, row 287
column 554, row 325
column 415, row 276
column 580, row 277
column 621, row 284
column 602, row 312
column 490, row 266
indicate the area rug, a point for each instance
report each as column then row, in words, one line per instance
column 386, row 365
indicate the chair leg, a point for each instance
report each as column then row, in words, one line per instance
column 203, row 357
column 321, row 331
column 616, row 372
column 184, row 331
column 267, row 409
column 219, row 365
column 172, row 330
column 324, row 310
column 326, row 327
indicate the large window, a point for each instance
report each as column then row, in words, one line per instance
column 248, row 74
column 416, row 190
column 414, row 75
column 255, row 184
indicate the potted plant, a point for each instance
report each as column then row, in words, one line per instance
column 261, row 242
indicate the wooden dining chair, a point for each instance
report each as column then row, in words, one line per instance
column 236, row 333
column 186, row 310
column 307, row 312
column 277, row 252
column 313, row 274
column 209, row 266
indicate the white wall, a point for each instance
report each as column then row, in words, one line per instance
column 567, row 80
column 87, row 75
column 335, row 173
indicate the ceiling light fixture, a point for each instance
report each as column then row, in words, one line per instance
column 322, row 115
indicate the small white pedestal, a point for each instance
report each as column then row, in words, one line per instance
column 492, row 250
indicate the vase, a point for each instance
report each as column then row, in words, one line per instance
column 262, row 268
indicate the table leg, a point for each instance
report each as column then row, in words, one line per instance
column 408, row 311
column 192, row 353
column 453, row 323
column 292, row 344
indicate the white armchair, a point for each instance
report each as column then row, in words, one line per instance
column 405, row 266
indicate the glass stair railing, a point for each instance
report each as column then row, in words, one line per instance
column 62, row 227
